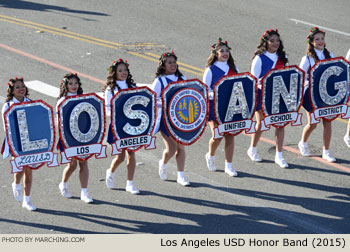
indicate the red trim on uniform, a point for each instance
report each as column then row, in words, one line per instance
column 279, row 63
column 3, row 147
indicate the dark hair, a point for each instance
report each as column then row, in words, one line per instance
column 213, row 55
column 262, row 47
column 161, row 64
column 64, row 83
column 310, row 51
column 111, row 80
column 11, row 88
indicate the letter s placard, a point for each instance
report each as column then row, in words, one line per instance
column 133, row 117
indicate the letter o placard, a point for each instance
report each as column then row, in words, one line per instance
column 82, row 123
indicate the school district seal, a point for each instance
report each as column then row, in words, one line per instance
column 187, row 110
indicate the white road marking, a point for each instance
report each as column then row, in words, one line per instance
column 43, row 88
column 319, row 26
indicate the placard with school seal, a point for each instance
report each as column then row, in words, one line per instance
column 282, row 95
column 185, row 110
column 30, row 133
column 82, row 126
column 133, row 117
column 234, row 104
column 329, row 89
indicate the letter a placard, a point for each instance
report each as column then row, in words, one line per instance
column 329, row 89
column 282, row 93
column 234, row 104
column 133, row 117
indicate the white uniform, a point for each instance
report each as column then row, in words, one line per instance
column 157, row 86
column 257, row 66
column 307, row 62
column 62, row 98
column 109, row 95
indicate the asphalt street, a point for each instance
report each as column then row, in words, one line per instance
column 43, row 40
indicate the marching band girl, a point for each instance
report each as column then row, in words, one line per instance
column 166, row 73
column 18, row 92
column 316, row 51
column 269, row 55
column 219, row 64
column 71, row 85
column 119, row 77
column 347, row 135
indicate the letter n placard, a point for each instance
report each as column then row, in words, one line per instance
column 282, row 93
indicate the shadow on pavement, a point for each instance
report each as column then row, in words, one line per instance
column 27, row 5
column 329, row 216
